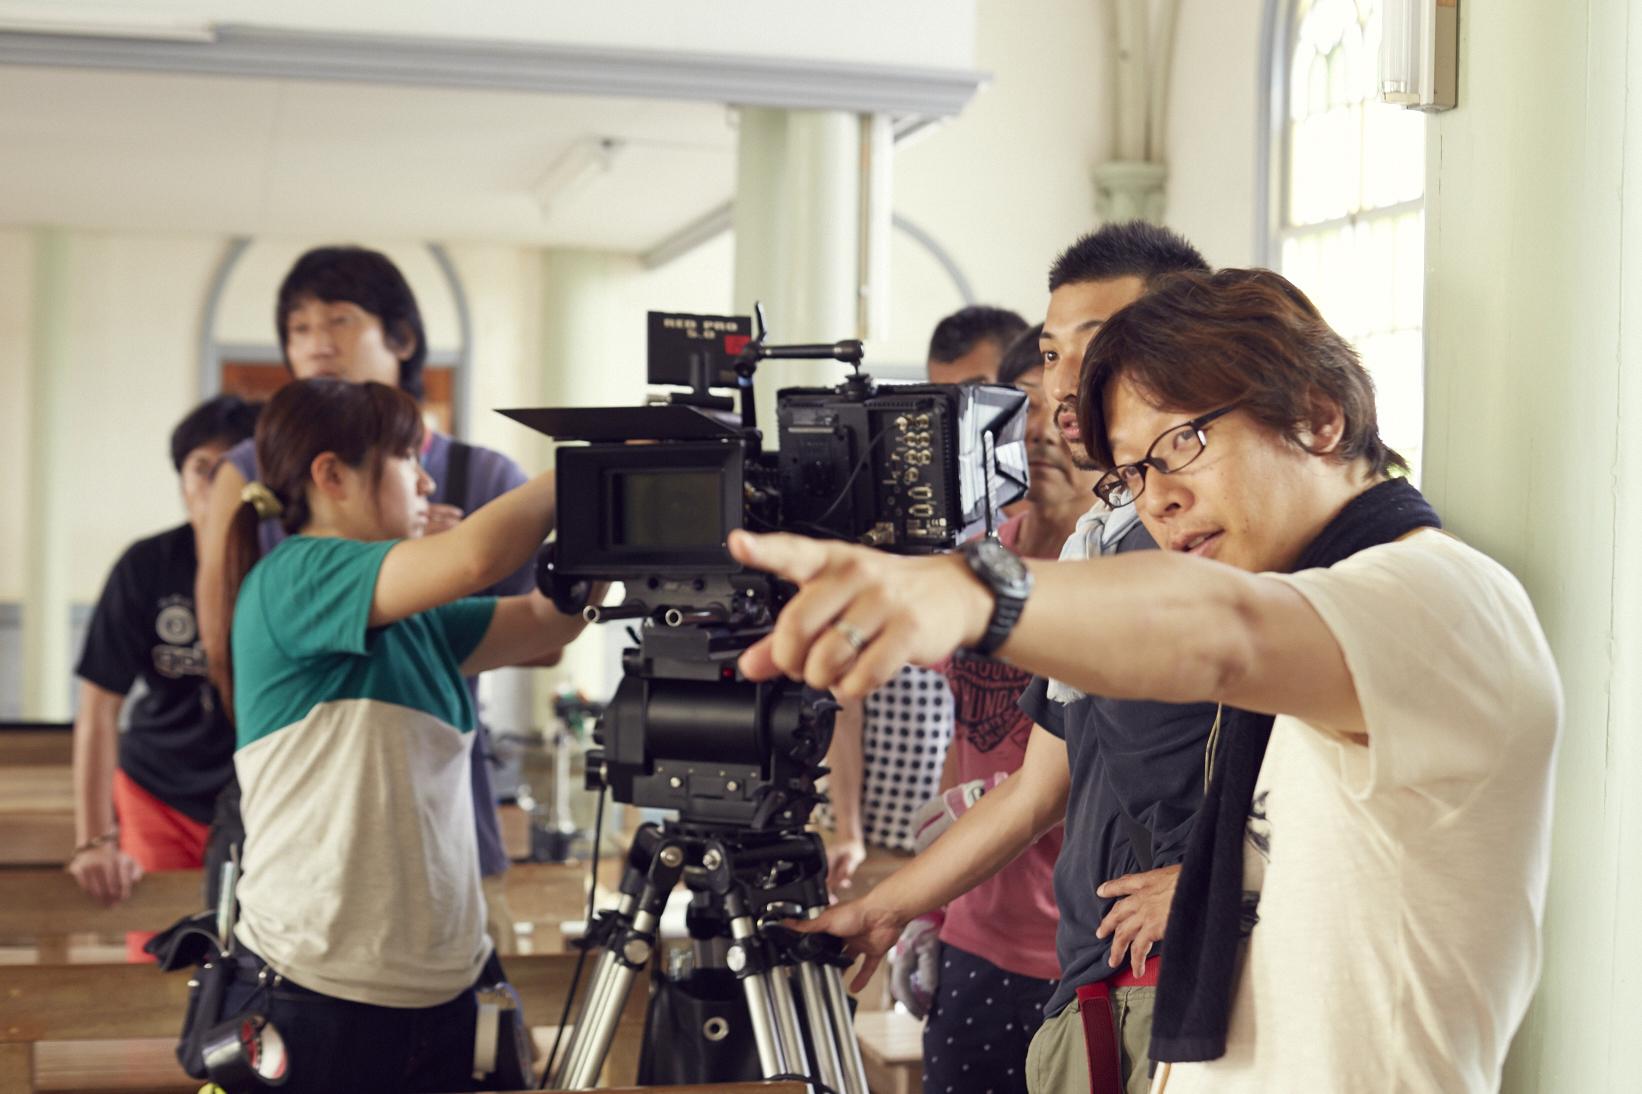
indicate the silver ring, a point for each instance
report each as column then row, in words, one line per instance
column 855, row 636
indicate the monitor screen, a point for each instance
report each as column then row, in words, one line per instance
column 666, row 509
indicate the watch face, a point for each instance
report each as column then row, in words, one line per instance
column 1004, row 565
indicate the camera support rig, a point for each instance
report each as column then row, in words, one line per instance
column 656, row 493
column 742, row 883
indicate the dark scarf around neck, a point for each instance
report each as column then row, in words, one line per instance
column 1201, row 940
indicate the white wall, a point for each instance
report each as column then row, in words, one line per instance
column 1216, row 115
column 1005, row 186
column 103, row 367
column 1534, row 252
column 131, row 327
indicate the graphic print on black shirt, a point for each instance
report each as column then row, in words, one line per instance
column 986, row 693
column 178, row 745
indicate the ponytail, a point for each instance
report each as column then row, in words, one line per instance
column 243, row 550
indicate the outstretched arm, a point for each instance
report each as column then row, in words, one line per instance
column 1146, row 625
column 492, row 543
column 1005, row 822
column 525, row 630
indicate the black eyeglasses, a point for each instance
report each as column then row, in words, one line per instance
column 1180, row 444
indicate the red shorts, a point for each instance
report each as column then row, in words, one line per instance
column 157, row 837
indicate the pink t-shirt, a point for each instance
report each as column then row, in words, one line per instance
column 1009, row 919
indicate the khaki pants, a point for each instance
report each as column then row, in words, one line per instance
column 498, row 916
column 1058, row 1060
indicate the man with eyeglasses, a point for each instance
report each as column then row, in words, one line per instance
column 1376, row 827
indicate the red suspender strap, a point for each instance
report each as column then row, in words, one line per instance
column 1100, row 1027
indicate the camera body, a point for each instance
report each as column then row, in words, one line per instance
column 650, row 500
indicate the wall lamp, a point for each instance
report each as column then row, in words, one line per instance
column 1420, row 54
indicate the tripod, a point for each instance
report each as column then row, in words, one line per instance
column 742, row 881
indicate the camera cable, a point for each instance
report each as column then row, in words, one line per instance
column 843, row 491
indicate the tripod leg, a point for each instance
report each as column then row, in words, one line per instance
column 823, row 1038
column 607, row 995
column 772, row 1059
column 854, row 1070
column 786, row 1018
column 595, row 1025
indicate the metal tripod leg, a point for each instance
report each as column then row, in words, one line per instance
column 853, row 1070
column 772, row 1056
column 823, row 1038
column 786, row 1019
column 601, row 1009
column 628, row 952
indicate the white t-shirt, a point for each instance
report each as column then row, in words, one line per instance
column 1398, row 934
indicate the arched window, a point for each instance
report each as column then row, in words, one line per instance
column 1349, row 225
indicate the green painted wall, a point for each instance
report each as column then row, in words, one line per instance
column 1534, row 307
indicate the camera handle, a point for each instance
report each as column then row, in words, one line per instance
column 850, row 351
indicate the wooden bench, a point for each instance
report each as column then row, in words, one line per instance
column 37, row 798
column 35, row 743
column 36, row 814
column 45, row 909
column 892, row 1048
column 113, row 1027
column 36, row 802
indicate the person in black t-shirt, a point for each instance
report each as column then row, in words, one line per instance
column 143, row 798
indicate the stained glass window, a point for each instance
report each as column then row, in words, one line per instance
column 1350, row 228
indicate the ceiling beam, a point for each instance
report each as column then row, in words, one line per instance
column 513, row 66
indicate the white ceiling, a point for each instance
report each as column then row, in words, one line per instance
column 161, row 152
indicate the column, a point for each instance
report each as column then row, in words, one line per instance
column 593, row 354
column 47, row 660
column 797, row 227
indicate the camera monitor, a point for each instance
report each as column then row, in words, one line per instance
column 643, row 509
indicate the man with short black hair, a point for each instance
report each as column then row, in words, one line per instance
column 143, row 798
column 1125, row 776
column 968, row 344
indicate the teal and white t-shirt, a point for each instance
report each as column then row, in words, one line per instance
column 361, row 872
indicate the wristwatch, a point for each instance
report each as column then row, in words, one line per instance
column 1002, row 571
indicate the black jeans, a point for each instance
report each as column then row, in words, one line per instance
column 337, row 1046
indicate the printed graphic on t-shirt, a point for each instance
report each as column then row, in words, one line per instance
column 986, row 694
column 1256, row 856
column 178, row 655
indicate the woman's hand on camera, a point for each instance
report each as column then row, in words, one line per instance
column 860, row 615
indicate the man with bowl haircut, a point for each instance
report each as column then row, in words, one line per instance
column 1381, row 773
